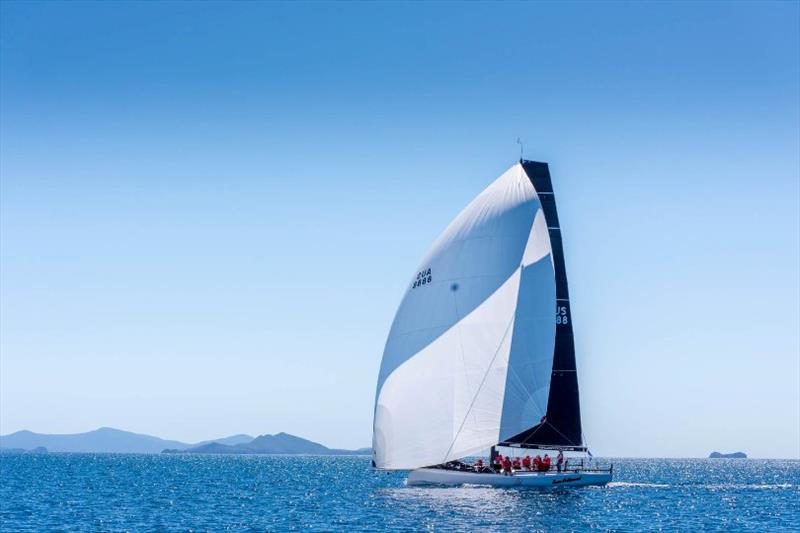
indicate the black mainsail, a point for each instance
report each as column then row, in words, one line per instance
column 560, row 428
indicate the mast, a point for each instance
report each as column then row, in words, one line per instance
column 560, row 428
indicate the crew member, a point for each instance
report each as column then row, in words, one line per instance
column 526, row 462
column 507, row 466
column 498, row 462
column 546, row 463
column 559, row 460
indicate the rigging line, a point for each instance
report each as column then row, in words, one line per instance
column 535, row 428
column 583, row 438
column 554, row 428
column 491, row 364
column 557, row 431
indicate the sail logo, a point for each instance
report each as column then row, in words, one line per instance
column 561, row 315
column 423, row 278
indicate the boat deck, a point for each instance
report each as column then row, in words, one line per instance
column 449, row 476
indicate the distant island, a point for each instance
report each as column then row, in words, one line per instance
column 38, row 449
column 734, row 455
column 110, row 440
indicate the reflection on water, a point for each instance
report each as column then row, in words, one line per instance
column 477, row 504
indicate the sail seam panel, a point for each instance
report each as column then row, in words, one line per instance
column 480, row 387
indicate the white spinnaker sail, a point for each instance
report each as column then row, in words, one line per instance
column 470, row 352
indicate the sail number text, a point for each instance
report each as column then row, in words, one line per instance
column 561, row 315
column 423, row 278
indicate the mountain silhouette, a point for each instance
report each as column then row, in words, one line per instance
column 110, row 440
column 280, row 443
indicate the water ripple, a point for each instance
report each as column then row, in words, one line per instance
column 85, row 492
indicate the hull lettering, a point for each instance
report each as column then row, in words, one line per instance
column 566, row 480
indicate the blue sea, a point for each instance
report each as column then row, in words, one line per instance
column 84, row 492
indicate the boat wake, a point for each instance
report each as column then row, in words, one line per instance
column 717, row 486
column 626, row 484
column 745, row 486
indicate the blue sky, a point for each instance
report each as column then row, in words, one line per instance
column 209, row 212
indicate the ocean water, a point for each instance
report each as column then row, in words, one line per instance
column 84, row 492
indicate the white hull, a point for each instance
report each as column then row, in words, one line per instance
column 439, row 476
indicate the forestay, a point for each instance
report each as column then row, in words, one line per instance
column 469, row 356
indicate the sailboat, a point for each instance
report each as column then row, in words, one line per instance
column 480, row 355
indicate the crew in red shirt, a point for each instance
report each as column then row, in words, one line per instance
column 506, row 466
column 546, row 463
column 537, row 462
column 498, row 461
column 526, row 462
column 516, row 464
